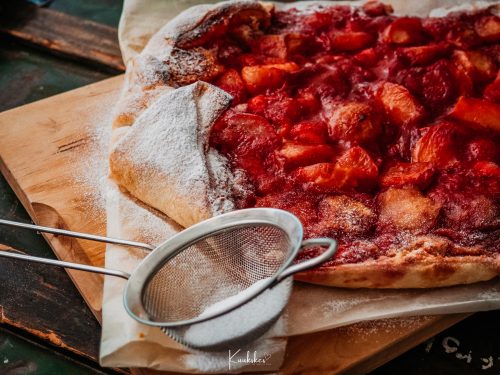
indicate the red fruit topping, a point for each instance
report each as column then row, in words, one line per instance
column 402, row 174
column 231, row 82
column 309, row 132
column 437, row 146
column 356, row 122
column 350, row 41
column 401, row 107
column 407, row 209
column 355, row 170
column 404, row 31
column 293, row 155
column 478, row 112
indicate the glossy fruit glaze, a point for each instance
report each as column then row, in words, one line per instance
column 369, row 127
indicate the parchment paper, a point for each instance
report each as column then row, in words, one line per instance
column 126, row 343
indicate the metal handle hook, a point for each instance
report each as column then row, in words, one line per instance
column 59, row 263
column 84, row 236
column 311, row 263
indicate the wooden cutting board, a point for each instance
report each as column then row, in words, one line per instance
column 44, row 144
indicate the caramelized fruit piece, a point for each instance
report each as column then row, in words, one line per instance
column 476, row 64
column 259, row 78
column 243, row 133
column 401, row 107
column 287, row 66
column 423, row 55
column 355, row 170
column 463, row 81
column 438, row 86
column 244, row 34
column 404, row 31
column 275, row 108
column 487, row 169
column 471, row 212
column 318, row 175
column 488, row 28
column 438, row 27
column 401, row 174
column 296, row 43
column 344, row 216
column 376, row 8
column 231, row 82
column 479, row 112
column 349, row 41
column 272, row 46
column 354, row 121
column 324, row 18
column 437, row 146
column 293, row 155
column 368, row 57
column 407, row 209
column 309, row 132
column 229, row 53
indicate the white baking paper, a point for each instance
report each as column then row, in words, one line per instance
column 125, row 343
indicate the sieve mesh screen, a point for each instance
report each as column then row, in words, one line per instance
column 213, row 269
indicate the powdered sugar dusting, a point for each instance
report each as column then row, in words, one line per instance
column 373, row 328
column 150, row 70
column 244, row 321
column 164, row 158
column 489, row 294
column 140, row 222
column 90, row 163
column 335, row 306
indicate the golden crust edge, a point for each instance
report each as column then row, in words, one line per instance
column 397, row 273
column 134, row 97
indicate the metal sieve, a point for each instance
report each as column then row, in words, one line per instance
column 210, row 272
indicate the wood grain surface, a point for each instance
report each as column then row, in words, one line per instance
column 60, row 33
column 51, row 134
column 21, row 310
column 42, row 145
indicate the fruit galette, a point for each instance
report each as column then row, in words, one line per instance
column 380, row 131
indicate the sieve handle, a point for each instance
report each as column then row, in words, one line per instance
column 69, row 233
column 311, row 263
column 59, row 263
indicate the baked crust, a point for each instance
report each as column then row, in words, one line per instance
column 152, row 84
column 423, row 263
column 172, row 57
column 400, row 273
column 185, row 180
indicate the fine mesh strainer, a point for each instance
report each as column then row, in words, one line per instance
column 218, row 284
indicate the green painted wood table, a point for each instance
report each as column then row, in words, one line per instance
column 45, row 326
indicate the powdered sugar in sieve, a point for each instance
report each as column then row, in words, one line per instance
column 251, row 320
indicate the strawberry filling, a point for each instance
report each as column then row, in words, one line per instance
column 366, row 125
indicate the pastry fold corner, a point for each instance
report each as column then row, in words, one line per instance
column 165, row 161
